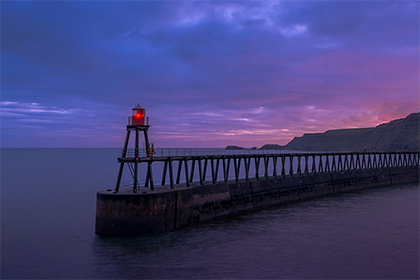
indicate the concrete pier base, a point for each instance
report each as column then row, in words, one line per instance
column 147, row 212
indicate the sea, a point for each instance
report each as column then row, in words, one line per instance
column 48, row 200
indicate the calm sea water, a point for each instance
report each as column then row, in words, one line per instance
column 48, row 201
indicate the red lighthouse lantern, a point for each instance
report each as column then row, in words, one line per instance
column 136, row 122
column 138, row 116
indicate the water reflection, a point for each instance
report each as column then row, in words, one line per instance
column 48, row 216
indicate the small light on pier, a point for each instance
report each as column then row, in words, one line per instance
column 138, row 116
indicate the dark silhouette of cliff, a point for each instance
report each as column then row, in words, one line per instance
column 400, row 134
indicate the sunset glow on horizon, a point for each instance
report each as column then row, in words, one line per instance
column 208, row 73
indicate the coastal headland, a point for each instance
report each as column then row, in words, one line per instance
column 397, row 135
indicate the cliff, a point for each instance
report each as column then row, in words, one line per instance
column 272, row 147
column 234, row 148
column 400, row 134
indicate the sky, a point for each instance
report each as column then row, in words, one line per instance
column 208, row 73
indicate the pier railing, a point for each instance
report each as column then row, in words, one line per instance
column 199, row 169
column 167, row 152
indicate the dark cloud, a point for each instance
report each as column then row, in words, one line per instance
column 365, row 24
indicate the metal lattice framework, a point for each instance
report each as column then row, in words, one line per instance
column 222, row 168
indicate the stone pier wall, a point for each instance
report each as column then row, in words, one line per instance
column 152, row 211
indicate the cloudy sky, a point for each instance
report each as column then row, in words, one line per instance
column 209, row 73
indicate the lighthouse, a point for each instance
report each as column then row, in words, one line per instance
column 138, row 121
column 138, row 116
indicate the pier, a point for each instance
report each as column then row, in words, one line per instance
column 170, row 189
column 196, row 188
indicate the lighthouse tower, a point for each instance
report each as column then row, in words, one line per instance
column 136, row 122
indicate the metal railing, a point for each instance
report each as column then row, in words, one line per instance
column 201, row 168
column 167, row 152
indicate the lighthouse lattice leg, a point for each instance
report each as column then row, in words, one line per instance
column 124, row 153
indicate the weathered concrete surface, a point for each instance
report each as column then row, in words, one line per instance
column 127, row 213
column 142, row 213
